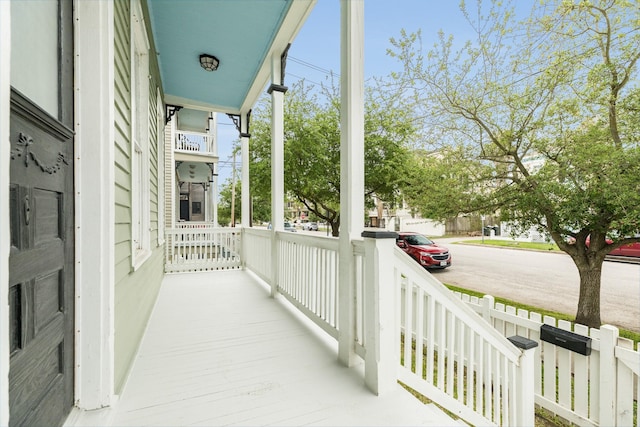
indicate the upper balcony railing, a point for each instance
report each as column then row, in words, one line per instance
column 194, row 142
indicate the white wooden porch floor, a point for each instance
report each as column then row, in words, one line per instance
column 219, row 351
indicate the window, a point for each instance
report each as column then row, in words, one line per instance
column 140, row 192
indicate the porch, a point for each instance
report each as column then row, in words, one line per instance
column 219, row 350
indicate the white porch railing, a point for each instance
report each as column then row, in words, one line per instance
column 202, row 249
column 460, row 361
column 466, row 366
column 308, row 277
column 194, row 142
column 600, row 389
column 451, row 355
column 195, row 224
column 258, row 253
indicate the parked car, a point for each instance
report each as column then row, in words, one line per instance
column 423, row 250
column 632, row 249
column 312, row 226
column 289, row 227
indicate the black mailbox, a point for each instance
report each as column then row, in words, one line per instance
column 565, row 339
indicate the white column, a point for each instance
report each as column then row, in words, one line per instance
column 213, row 131
column 351, row 164
column 175, row 198
column 382, row 338
column 244, row 145
column 277, row 91
column 94, row 203
column 214, row 195
column 5, row 155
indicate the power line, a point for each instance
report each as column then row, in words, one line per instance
column 312, row 66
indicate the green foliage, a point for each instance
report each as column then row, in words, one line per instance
column 312, row 149
column 539, row 120
column 224, row 203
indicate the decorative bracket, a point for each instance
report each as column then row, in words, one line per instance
column 170, row 110
column 283, row 63
column 237, row 120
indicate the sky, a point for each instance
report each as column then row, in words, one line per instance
column 316, row 49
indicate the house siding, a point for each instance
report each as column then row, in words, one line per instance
column 135, row 291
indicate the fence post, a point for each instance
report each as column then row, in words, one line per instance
column 525, row 387
column 488, row 303
column 608, row 377
column 381, row 336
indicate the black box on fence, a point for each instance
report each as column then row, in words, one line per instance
column 565, row 339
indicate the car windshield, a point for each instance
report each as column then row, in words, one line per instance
column 417, row 239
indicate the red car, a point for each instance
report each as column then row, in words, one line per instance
column 632, row 249
column 423, row 250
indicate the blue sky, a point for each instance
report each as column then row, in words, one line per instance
column 318, row 44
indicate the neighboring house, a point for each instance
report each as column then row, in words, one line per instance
column 403, row 218
column 193, row 147
column 87, row 183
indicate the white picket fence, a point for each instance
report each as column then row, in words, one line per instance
column 202, row 249
column 600, row 389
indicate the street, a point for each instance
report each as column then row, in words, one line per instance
column 541, row 279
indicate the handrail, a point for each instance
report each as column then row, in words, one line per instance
column 460, row 361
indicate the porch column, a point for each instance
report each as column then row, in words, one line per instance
column 175, row 196
column 351, row 166
column 244, row 145
column 5, row 155
column 213, row 131
column 94, row 204
column 277, row 91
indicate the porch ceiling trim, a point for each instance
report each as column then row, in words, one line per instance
column 242, row 34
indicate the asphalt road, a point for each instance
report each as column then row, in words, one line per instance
column 542, row 279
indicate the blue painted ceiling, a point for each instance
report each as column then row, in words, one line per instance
column 238, row 32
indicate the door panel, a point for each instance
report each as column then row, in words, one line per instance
column 41, row 260
column 40, row 267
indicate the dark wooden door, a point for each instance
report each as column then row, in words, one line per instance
column 41, row 261
column 184, row 210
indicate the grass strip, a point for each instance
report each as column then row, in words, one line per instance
column 634, row 336
column 513, row 244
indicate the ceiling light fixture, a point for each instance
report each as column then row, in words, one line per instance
column 209, row 62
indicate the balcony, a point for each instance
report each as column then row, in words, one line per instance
column 194, row 143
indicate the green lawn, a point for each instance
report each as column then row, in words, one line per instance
column 513, row 244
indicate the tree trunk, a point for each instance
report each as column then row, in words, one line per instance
column 589, row 300
column 335, row 226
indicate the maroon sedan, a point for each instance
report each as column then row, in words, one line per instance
column 423, row 250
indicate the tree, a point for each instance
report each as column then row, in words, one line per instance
column 312, row 149
column 224, row 203
column 540, row 120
